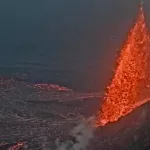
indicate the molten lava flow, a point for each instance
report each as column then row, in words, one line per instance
column 125, row 91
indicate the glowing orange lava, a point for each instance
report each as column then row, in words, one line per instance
column 125, row 92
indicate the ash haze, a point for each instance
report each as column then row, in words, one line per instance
column 72, row 43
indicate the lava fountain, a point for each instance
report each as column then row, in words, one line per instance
column 126, row 91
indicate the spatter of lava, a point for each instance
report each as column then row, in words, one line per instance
column 131, row 76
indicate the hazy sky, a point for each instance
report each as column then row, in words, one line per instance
column 77, row 35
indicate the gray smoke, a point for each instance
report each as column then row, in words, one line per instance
column 81, row 136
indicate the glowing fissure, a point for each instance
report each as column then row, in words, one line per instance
column 125, row 91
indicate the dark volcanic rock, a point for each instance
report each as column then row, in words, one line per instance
column 40, row 118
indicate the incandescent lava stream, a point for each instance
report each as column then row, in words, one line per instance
column 126, row 91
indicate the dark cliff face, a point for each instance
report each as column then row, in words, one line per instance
column 79, row 37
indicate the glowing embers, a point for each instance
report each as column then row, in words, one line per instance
column 131, row 75
column 50, row 87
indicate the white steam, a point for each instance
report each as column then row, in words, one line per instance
column 81, row 136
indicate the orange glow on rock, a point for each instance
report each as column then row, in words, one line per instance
column 124, row 93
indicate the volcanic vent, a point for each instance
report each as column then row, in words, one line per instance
column 129, row 84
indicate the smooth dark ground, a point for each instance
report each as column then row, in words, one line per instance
column 70, row 43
